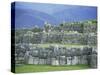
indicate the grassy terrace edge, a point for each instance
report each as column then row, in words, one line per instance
column 47, row 68
column 61, row 45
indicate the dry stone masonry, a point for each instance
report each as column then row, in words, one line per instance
column 66, row 44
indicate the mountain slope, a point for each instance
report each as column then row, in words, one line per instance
column 29, row 18
column 77, row 14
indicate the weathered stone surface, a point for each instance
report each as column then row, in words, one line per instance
column 29, row 51
column 62, row 60
column 83, row 59
column 93, row 61
column 58, row 55
column 54, row 61
column 75, row 60
column 42, row 61
column 30, row 61
column 48, row 61
column 69, row 61
column 35, row 60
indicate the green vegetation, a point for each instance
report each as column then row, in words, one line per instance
column 62, row 45
column 45, row 68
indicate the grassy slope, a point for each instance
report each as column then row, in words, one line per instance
column 45, row 68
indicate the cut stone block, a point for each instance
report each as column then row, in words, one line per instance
column 62, row 60
column 30, row 60
column 35, row 60
column 42, row 61
column 54, row 61
column 75, row 60
column 68, row 60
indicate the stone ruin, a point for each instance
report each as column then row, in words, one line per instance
column 28, row 51
column 56, row 55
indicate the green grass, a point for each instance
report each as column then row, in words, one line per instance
column 62, row 45
column 46, row 68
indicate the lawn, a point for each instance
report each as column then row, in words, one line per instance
column 46, row 68
column 62, row 45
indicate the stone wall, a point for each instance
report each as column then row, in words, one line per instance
column 29, row 51
column 60, row 37
column 54, row 55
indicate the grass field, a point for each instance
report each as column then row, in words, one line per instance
column 46, row 68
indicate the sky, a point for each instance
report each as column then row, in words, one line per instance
column 48, row 8
column 28, row 14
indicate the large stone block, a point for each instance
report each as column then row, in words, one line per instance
column 42, row 61
column 30, row 61
column 83, row 59
column 62, row 60
column 35, row 60
column 48, row 61
column 54, row 61
column 69, row 61
column 94, row 61
column 75, row 60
